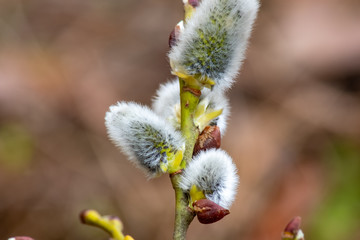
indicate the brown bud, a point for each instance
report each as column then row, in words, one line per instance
column 292, row 228
column 83, row 216
column 174, row 35
column 194, row 3
column 210, row 137
column 172, row 38
column 209, row 212
column 89, row 217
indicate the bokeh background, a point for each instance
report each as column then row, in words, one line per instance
column 294, row 132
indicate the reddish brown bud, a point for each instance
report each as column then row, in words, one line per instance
column 292, row 228
column 194, row 3
column 83, row 216
column 172, row 38
column 210, row 137
column 294, row 225
column 209, row 212
column 174, row 35
column 89, row 217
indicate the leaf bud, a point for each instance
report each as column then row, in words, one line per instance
column 89, row 216
column 194, row 3
column 209, row 212
column 209, row 138
column 175, row 34
column 292, row 230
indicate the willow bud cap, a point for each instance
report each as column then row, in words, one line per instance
column 209, row 138
column 209, row 212
column 292, row 230
column 194, row 3
column 175, row 34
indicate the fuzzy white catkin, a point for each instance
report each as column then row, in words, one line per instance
column 218, row 100
column 213, row 172
column 214, row 40
column 167, row 98
column 140, row 133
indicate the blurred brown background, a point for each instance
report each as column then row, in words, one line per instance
column 294, row 131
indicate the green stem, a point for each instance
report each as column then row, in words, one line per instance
column 189, row 97
column 183, row 214
column 189, row 101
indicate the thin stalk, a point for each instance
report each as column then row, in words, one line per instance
column 189, row 98
column 183, row 214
